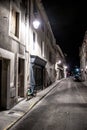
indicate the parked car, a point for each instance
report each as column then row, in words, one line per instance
column 77, row 77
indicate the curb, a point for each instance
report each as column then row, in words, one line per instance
column 32, row 105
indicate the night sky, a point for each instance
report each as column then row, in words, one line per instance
column 68, row 20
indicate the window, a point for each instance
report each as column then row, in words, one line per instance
column 35, row 10
column 15, row 23
column 42, row 48
column 34, row 40
column 50, row 56
column 42, row 26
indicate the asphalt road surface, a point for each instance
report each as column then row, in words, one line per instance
column 64, row 108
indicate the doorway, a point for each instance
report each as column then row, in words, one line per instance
column 0, row 81
column 20, row 78
column 4, row 83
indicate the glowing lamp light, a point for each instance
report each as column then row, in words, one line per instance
column 65, row 66
column 77, row 69
column 86, row 67
column 81, row 69
column 36, row 24
column 59, row 62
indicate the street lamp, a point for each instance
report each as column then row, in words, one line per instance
column 36, row 24
column 65, row 67
column 59, row 62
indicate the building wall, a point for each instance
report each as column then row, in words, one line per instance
column 43, row 46
column 13, row 49
column 24, row 50
column 60, row 63
column 83, row 58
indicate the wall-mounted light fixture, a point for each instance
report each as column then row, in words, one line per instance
column 65, row 67
column 36, row 24
column 86, row 67
column 59, row 62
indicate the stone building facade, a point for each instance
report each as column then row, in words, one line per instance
column 83, row 58
column 42, row 48
column 27, row 55
column 14, row 51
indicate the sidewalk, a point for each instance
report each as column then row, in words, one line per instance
column 9, row 117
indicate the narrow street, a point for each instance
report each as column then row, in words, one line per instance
column 64, row 108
